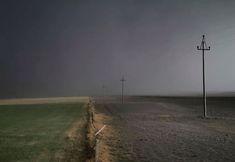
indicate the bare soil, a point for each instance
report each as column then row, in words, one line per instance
column 99, row 142
column 151, row 129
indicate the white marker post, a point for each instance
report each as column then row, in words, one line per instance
column 100, row 130
column 97, row 144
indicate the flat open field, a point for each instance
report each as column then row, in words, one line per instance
column 151, row 129
column 24, row 101
column 42, row 132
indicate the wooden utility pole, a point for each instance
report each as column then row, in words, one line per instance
column 122, row 80
column 203, row 47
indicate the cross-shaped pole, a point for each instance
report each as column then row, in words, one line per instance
column 203, row 47
column 122, row 80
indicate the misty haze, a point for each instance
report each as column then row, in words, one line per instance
column 117, row 81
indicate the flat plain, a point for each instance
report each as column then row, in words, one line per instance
column 42, row 132
column 158, row 129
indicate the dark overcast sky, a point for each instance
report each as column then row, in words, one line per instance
column 72, row 47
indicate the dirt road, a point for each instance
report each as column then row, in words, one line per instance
column 167, row 130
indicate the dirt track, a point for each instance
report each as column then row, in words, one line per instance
column 152, row 130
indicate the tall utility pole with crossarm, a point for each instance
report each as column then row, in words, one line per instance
column 122, row 80
column 203, row 47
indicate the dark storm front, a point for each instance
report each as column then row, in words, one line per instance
column 69, row 48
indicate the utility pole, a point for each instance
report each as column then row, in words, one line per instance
column 203, row 47
column 103, row 89
column 122, row 80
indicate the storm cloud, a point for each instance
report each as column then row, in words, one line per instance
column 68, row 48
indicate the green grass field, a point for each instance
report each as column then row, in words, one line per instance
column 40, row 132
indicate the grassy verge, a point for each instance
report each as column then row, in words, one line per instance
column 46, row 132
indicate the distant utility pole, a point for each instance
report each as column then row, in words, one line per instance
column 203, row 47
column 103, row 89
column 122, row 80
